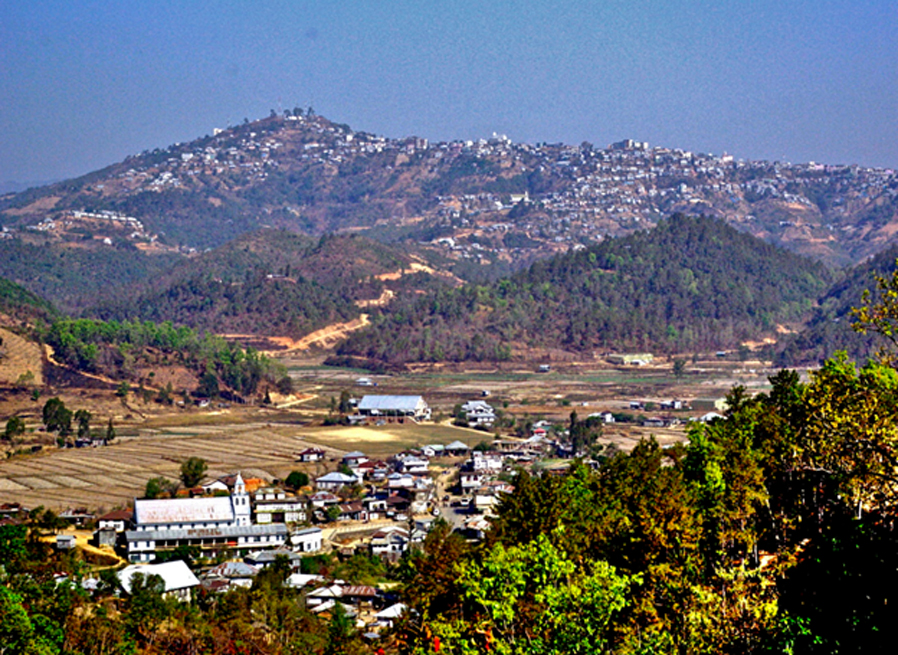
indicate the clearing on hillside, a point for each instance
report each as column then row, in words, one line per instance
column 18, row 357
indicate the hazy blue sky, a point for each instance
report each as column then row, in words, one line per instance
column 83, row 84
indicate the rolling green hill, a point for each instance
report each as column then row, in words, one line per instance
column 19, row 304
column 272, row 282
column 830, row 329
column 692, row 283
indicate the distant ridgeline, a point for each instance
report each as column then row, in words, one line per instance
column 830, row 328
column 690, row 283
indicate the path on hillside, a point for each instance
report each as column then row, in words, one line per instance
column 20, row 357
column 326, row 337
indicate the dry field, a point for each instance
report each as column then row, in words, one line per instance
column 103, row 478
column 19, row 357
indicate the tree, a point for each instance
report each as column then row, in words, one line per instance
column 110, row 431
column 208, row 385
column 192, row 471
column 15, row 427
column 82, row 418
column 158, row 486
column 297, row 480
column 57, row 417
column 123, row 389
column 679, row 367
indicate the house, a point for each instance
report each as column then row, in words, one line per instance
column 177, row 578
column 265, row 558
column 117, row 520
column 301, row 580
column 352, row 512
column 354, row 459
column 479, row 412
column 387, row 616
column 65, row 542
column 457, row 448
column 310, row 455
column 487, row 462
column 654, row 422
column 323, row 499
column 238, row 574
column 408, row 406
column 307, row 540
column 389, row 542
column 471, row 480
column 335, row 480
column 373, row 470
column 273, row 505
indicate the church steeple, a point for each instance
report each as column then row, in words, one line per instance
column 240, row 502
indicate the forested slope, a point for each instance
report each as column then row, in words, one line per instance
column 271, row 282
column 692, row 283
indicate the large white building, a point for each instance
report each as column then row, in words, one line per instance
column 211, row 524
column 411, row 406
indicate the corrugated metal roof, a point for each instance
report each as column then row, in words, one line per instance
column 390, row 403
column 183, row 510
column 176, row 575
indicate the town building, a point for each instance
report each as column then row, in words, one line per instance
column 404, row 406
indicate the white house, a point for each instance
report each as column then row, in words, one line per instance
column 478, row 412
column 307, row 540
column 335, row 480
column 179, row 580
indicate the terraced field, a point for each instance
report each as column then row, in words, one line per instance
column 107, row 477
column 103, row 478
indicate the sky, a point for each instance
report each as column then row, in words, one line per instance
column 84, row 84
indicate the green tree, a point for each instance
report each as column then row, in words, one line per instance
column 82, row 418
column 679, row 367
column 110, row 431
column 158, row 486
column 57, row 418
column 192, row 471
column 15, row 427
column 297, row 479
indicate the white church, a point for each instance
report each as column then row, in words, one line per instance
column 210, row 524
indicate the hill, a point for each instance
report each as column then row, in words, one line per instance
column 692, row 283
column 830, row 329
column 273, row 282
column 20, row 305
column 481, row 204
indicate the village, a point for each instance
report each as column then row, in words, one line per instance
column 231, row 527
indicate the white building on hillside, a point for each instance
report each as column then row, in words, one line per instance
column 212, row 524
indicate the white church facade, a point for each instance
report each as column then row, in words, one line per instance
column 210, row 524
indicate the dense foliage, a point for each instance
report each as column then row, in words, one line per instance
column 829, row 329
column 773, row 530
column 271, row 282
column 73, row 278
column 691, row 283
column 120, row 349
column 19, row 303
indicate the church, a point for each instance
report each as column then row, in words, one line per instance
column 210, row 524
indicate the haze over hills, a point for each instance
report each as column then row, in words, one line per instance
column 487, row 201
